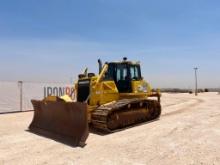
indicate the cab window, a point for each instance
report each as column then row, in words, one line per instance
column 122, row 73
column 135, row 72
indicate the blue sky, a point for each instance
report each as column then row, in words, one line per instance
column 53, row 40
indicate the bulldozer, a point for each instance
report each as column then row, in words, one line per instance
column 116, row 98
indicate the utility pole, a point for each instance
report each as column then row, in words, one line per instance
column 20, row 84
column 196, row 82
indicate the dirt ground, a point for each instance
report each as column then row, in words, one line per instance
column 188, row 132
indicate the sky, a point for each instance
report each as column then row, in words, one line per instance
column 54, row 40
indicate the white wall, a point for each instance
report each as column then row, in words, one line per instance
column 10, row 94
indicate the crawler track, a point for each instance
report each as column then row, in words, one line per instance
column 124, row 113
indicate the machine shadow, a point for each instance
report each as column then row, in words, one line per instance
column 103, row 133
column 75, row 144
column 58, row 138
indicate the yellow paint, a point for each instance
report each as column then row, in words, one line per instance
column 103, row 92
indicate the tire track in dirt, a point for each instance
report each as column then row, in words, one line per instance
column 183, row 108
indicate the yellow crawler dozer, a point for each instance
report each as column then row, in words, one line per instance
column 116, row 98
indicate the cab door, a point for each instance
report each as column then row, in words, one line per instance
column 123, row 80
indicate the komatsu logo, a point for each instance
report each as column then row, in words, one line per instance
column 58, row 91
column 142, row 88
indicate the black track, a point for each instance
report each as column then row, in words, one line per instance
column 123, row 113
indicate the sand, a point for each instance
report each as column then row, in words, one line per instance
column 188, row 132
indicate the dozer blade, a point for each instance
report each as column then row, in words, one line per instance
column 66, row 120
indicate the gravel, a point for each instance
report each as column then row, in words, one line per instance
column 188, row 132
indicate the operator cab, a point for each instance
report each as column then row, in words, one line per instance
column 123, row 73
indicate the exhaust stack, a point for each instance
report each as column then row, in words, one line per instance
column 100, row 65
